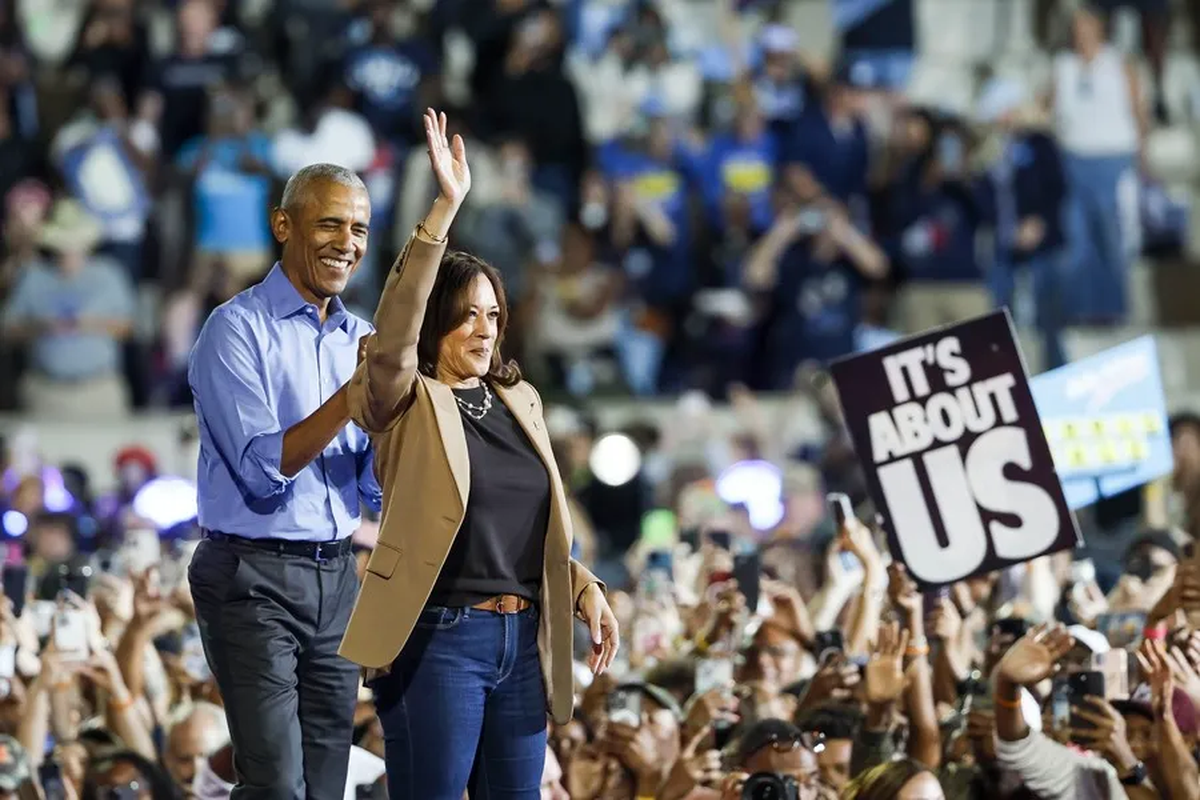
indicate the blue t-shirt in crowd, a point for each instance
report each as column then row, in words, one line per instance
column 662, row 274
column 816, row 310
column 837, row 156
column 231, row 206
column 386, row 78
column 733, row 166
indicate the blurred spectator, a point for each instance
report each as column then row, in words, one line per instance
column 25, row 207
column 393, row 79
column 808, row 271
column 1026, row 197
column 933, row 218
column 113, row 41
column 231, row 188
column 328, row 132
column 73, row 315
column 1100, row 122
column 108, row 159
column 178, row 85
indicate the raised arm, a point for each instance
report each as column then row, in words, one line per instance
column 382, row 386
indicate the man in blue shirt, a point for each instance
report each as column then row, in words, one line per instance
column 282, row 476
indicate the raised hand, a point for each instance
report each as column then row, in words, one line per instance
column 1156, row 668
column 1108, row 737
column 1034, row 655
column 884, row 673
column 448, row 158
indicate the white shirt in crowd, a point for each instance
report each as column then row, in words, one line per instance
column 1093, row 105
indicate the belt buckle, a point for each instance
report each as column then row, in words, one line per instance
column 319, row 552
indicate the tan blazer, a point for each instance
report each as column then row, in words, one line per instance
column 422, row 464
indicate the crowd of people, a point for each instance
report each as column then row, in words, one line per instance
column 678, row 199
column 677, row 194
column 799, row 656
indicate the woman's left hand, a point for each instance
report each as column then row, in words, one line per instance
column 606, row 639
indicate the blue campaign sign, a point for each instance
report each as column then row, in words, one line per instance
column 1105, row 418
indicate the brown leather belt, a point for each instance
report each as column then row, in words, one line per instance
column 504, row 604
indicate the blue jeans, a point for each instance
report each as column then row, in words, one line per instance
column 1096, row 235
column 465, row 704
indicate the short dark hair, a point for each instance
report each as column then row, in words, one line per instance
column 832, row 720
column 447, row 308
column 763, row 733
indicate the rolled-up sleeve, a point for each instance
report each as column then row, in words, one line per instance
column 225, row 373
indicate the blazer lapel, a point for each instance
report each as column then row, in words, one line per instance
column 450, row 425
column 523, row 408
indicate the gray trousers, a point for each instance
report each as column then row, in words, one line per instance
column 271, row 625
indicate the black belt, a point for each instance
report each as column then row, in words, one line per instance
column 317, row 551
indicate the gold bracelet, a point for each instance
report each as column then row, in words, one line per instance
column 917, row 652
column 421, row 229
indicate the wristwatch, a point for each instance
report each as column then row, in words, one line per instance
column 1136, row 776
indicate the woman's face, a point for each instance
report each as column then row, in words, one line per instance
column 922, row 787
column 466, row 351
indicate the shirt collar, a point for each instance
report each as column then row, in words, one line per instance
column 283, row 300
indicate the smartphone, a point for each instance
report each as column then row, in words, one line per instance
column 950, row 152
column 625, row 706
column 70, row 635
column 827, row 643
column 810, row 220
column 747, row 571
column 840, row 508
column 42, row 612
column 980, row 692
column 1079, row 686
column 8, row 661
column 16, row 586
column 849, row 561
column 713, row 673
column 660, row 561
column 51, row 778
column 722, row 540
column 140, row 550
column 1114, row 666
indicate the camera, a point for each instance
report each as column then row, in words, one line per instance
column 770, row 786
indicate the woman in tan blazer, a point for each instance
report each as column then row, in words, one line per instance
column 464, row 619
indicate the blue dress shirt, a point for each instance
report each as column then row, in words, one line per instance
column 262, row 363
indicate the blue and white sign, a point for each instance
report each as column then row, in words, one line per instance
column 1105, row 418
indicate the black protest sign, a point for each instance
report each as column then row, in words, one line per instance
column 953, row 452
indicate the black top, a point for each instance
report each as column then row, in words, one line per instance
column 500, row 546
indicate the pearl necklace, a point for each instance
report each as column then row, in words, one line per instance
column 473, row 411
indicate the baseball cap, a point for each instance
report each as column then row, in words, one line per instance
column 14, row 765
